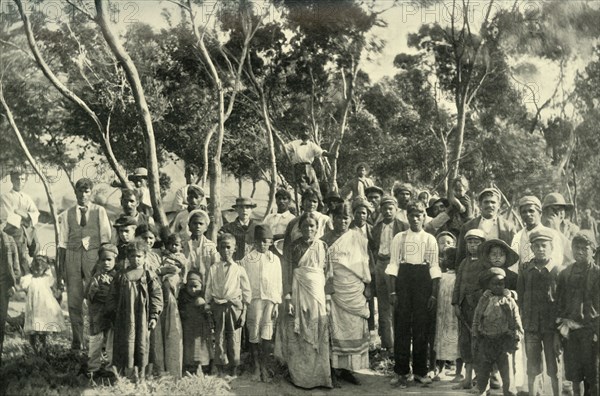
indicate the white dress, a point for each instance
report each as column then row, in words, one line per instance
column 446, row 331
column 42, row 312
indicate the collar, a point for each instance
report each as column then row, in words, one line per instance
column 549, row 266
column 86, row 207
column 244, row 224
column 415, row 233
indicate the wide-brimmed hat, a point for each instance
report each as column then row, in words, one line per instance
column 138, row 173
column 333, row 196
column 511, row 256
column 556, row 199
column 243, row 201
column 434, row 201
column 375, row 189
column 363, row 164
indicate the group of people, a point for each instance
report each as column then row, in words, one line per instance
column 446, row 285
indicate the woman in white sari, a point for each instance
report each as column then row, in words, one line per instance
column 303, row 332
column 349, row 261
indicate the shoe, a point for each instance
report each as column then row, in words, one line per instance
column 399, row 381
column 464, row 384
column 494, row 383
column 349, row 376
column 425, row 380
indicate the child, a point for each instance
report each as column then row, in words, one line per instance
column 195, row 200
column 200, row 251
column 460, row 203
column 125, row 226
column 135, row 302
column 42, row 312
column 465, row 297
column 264, row 273
column 497, row 253
column 101, row 331
column 446, row 336
column 497, row 331
column 445, row 240
column 148, row 234
column 173, row 260
column 228, row 289
column 578, row 303
column 196, row 325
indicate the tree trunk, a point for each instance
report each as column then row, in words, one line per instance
column 575, row 206
column 67, row 93
column 142, row 108
column 240, row 185
column 34, row 165
column 459, row 141
column 272, row 157
column 253, row 188
column 205, row 150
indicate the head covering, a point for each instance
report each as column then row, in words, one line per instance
column 446, row 233
column 192, row 168
column 511, row 256
column 333, row 196
column 490, row 273
column 402, row 187
column 282, row 192
column 530, row 200
column 194, row 276
column 587, row 237
column 196, row 189
column 243, row 201
column 556, row 199
column 364, row 165
column 388, row 200
column 415, row 206
column 475, row 233
column 433, row 202
column 84, row 183
column 198, row 213
column 124, row 221
column 262, row 231
column 343, row 210
column 373, row 189
column 360, row 202
column 541, row 234
column 490, row 190
column 138, row 173
column 108, row 247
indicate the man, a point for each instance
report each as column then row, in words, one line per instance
column 278, row 222
column 9, row 277
column 413, row 279
column 242, row 228
column 192, row 173
column 332, row 201
column 403, row 193
column 374, row 195
column 82, row 229
column 382, row 235
column 139, row 178
column 554, row 215
column 492, row 225
column 302, row 152
column 16, row 201
column 130, row 200
column 589, row 223
column 356, row 186
column 195, row 200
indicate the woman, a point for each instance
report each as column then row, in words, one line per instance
column 303, row 333
column 348, row 258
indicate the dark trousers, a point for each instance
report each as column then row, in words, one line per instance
column 411, row 318
column 581, row 359
column 490, row 351
column 305, row 177
column 3, row 313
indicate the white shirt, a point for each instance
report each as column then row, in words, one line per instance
column 18, row 200
column 180, row 201
column 264, row 274
column 278, row 221
column 489, row 227
column 387, row 234
column 417, row 248
column 63, row 229
column 521, row 245
column 301, row 153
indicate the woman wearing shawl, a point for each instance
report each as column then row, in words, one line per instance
column 303, row 333
column 349, row 261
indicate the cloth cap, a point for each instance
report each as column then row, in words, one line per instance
column 511, row 256
column 139, row 173
column 387, row 199
column 243, row 201
column 108, row 247
column 587, row 237
column 530, row 200
column 446, row 233
column 555, row 199
column 403, row 187
column 374, row 189
column 475, row 233
column 488, row 274
column 194, row 276
column 541, row 234
column 196, row 189
column 124, row 221
column 491, row 190
column 333, row 196
column 198, row 213
column 262, row 231
column 360, row 202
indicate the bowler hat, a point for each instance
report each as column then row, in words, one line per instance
column 138, row 173
column 556, row 199
column 243, row 201
column 511, row 256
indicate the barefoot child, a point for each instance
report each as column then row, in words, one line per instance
column 465, row 297
column 227, row 296
column 264, row 272
column 101, row 332
column 43, row 315
column 496, row 331
column 135, row 302
column 125, row 227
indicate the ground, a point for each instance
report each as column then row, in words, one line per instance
column 59, row 372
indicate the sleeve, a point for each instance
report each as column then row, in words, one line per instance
column 26, row 281
column 92, row 289
column 520, row 288
column 461, row 249
column 392, row 267
column 466, row 202
column 208, row 293
column 63, row 230
column 514, row 245
column 3, row 208
column 477, row 316
column 457, row 282
column 278, row 281
column 32, row 209
column 432, row 254
column 436, row 223
column 516, row 317
column 156, row 296
column 245, row 286
column 560, row 296
column 316, row 150
column 104, row 225
column 180, row 199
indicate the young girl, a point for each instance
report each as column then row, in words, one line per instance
column 135, row 301
column 497, row 253
column 148, row 233
column 446, row 336
column 42, row 312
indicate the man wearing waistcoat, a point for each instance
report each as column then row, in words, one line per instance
column 83, row 228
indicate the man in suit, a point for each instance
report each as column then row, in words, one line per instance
column 492, row 225
column 382, row 235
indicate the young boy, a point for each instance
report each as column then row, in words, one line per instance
column 536, row 288
column 200, row 251
column 465, row 297
column 460, row 202
column 125, row 226
column 101, row 332
column 445, row 240
column 227, row 295
column 497, row 331
column 195, row 201
column 135, row 302
column 264, row 273
column 578, row 301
